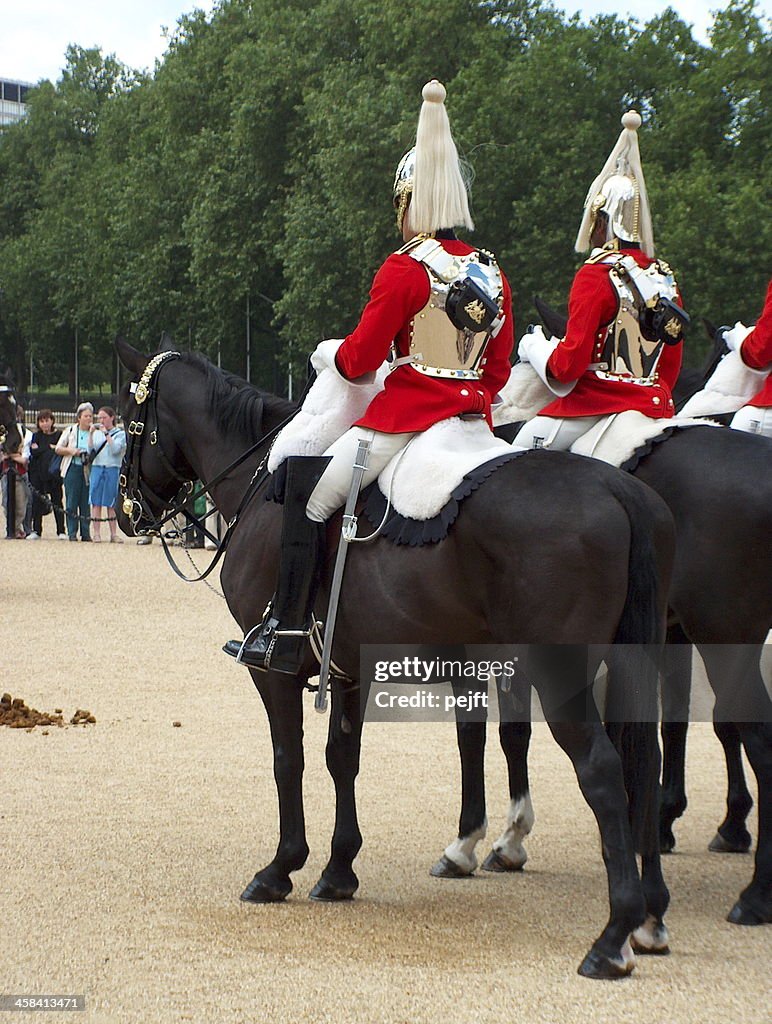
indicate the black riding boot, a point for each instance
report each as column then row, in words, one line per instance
column 302, row 555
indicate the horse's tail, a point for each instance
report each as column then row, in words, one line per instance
column 632, row 701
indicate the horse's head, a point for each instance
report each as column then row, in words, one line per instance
column 719, row 347
column 554, row 322
column 154, row 466
column 10, row 435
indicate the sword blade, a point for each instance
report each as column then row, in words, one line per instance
column 348, row 532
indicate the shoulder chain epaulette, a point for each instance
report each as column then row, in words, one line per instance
column 412, row 244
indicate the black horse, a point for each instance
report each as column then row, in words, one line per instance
column 718, row 485
column 732, row 835
column 590, row 547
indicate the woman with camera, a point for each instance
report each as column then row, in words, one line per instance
column 108, row 443
column 74, row 447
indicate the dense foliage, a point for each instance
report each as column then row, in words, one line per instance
column 248, row 180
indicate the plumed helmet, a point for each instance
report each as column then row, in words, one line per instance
column 429, row 186
column 619, row 191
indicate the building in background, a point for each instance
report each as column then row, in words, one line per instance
column 12, row 100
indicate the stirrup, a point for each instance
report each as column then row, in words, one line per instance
column 267, row 630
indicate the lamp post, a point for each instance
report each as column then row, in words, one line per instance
column 249, row 346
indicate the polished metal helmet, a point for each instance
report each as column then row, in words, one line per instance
column 620, row 199
column 404, row 180
column 619, row 191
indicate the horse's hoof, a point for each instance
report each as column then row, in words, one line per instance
column 604, row 968
column 258, row 892
column 496, row 862
column 447, row 868
column 721, row 845
column 744, row 915
column 326, row 892
column 651, row 939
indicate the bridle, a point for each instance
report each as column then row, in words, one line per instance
column 132, row 488
column 133, row 502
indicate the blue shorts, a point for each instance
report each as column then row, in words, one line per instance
column 103, row 487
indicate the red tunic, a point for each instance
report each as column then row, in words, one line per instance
column 757, row 350
column 412, row 401
column 592, row 305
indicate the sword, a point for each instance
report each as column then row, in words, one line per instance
column 347, row 535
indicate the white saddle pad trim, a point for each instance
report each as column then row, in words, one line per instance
column 418, row 480
column 615, row 438
column 421, row 479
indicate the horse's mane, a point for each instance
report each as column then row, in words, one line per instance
column 238, row 407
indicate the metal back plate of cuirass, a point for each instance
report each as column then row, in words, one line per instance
column 626, row 352
column 437, row 347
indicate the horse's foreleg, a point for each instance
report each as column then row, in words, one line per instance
column 344, row 741
column 732, row 835
column 459, row 859
column 508, row 853
column 282, row 697
column 676, row 692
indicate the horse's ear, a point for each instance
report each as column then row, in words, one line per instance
column 710, row 328
column 552, row 320
column 134, row 361
column 167, row 343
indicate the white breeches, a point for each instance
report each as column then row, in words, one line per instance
column 754, row 420
column 333, row 488
column 554, row 432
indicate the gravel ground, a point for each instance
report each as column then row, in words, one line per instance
column 126, row 843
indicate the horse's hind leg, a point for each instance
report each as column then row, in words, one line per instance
column 755, row 903
column 732, row 835
column 632, row 727
column 344, row 741
column 508, row 852
column 636, row 743
column 282, row 697
column 735, row 675
column 459, row 859
column 676, row 690
column 567, row 701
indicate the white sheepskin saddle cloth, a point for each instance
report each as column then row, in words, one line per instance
column 732, row 385
column 421, row 479
column 624, row 437
column 329, row 409
column 523, row 396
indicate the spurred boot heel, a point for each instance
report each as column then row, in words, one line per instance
column 281, row 643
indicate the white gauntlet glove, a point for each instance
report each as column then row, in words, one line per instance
column 735, row 336
column 323, row 358
column 535, row 348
